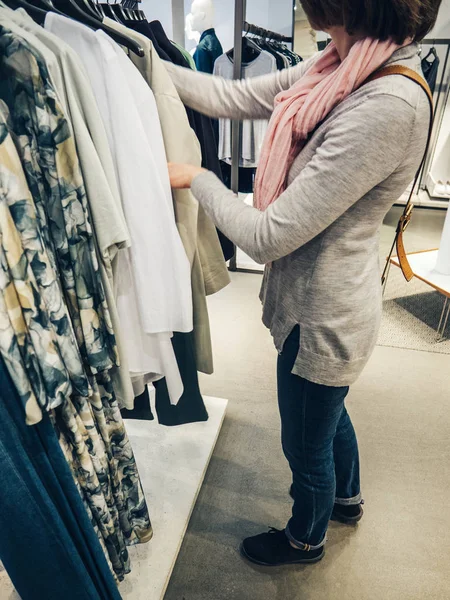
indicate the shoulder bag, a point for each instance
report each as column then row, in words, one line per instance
column 403, row 223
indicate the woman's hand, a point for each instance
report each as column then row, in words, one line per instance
column 182, row 176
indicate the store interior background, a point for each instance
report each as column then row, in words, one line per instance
column 278, row 16
column 400, row 406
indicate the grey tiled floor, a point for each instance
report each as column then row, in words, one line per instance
column 401, row 410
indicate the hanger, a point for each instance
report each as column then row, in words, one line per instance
column 100, row 10
column 432, row 52
column 81, row 10
column 87, row 7
column 250, row 50
column 251, row 44
column 119, row 11
column 46, row 5
column 129, row 9
column 108, row 11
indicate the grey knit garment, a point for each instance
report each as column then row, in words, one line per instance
column 322, row 234
column 253, row 132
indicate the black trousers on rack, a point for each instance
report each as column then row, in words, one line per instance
column 190, row 408
column 47, row 543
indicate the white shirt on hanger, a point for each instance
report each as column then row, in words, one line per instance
column 153, row 287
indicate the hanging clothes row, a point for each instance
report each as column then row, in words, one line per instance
column 57, row 337
column 261, row 55
column 101, row 265
column 190, row 141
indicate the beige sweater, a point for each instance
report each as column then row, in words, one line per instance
column 322, row 234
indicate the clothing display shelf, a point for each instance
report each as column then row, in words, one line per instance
column 63, row 341
column 242, row 26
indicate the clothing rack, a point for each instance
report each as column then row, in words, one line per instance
column 436, row 42
column 265, row 33
column 242, row 26
column 443, row 91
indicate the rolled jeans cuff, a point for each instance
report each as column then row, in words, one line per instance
column 349, row 501
column 302, row 545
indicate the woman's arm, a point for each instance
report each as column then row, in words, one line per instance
column 223, row 98
column 359, row 153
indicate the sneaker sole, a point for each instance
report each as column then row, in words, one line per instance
column 302, row 561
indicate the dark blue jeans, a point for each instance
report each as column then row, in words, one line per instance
column 47, row 543
column 320, row 445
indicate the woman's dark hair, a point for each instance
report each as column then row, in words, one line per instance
column 380, row 19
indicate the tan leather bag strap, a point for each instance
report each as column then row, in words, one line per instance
column 406, row 216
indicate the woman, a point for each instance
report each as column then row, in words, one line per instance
column 338, row 153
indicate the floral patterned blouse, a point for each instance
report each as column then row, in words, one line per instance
column 48, row 154
column 56, row 335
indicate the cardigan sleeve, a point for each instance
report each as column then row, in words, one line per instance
column 227, row 99
column 360, row 151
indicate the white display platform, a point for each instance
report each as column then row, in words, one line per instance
column 423, row 264
column 172, row 463
column 7, row 591
column 243, row 261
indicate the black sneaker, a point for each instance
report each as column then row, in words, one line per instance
column 273, row 549
column 347, row 514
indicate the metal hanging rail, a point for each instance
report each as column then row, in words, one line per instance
column 437, row 42
column 236, row 126
column 265, row 33
column 241, row 26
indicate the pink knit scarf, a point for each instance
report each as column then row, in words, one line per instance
column 301, row 108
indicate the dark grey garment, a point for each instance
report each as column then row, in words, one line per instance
column 190, row 407
column 321, row 236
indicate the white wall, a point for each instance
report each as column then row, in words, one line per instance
column 280, row 16
column 258, row 12
column 269, row 14
column 224, row 22
column 159, row 10
column 442, row 28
